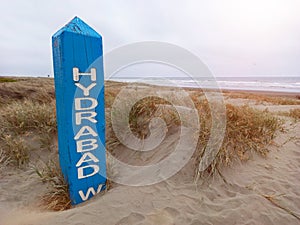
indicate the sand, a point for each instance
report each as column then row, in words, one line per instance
column 259, row 191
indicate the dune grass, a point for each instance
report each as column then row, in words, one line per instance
column 7, row 80
column 28, row 116
column 28, row 108
column 57, row 198
column 27, row 113
column 20, row 119
column 142, row 112
column 264, row 98
column 4, row 160
column 292, row 113
column 248, row 132
column 14, row 151
column 295, row 113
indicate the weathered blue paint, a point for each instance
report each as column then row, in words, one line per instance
column 77, row 46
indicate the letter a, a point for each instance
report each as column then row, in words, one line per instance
column 84, row 159
column 82, row 130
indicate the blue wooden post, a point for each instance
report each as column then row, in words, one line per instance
column 79, row 88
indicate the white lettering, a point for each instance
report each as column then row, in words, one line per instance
column 84, row 159
column 88, row 116
column 85, row 110
column 92, row 143
column 80, row 105
column 80, row 171
column 86, row 90
column 76, row 74
column 82, row 130
column 90, row 191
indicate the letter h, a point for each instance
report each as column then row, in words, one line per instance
column 76, row 74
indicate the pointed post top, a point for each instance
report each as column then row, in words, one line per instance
column 78, row 26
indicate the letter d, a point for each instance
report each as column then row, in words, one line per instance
column 81, row 103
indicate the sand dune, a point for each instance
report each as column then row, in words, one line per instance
column 259, row 191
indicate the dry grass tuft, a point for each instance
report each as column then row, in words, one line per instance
column 22, row 117
column 248, row 131
column 14, row 151
column 4, row 160
column 144, row 110
column 139, row 118
column 6, row 80
column 262, row 98
column 57, row 198
column 18, row 120
column 295, row 113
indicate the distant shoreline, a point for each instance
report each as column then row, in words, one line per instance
column 282, row 93
column 272, row 84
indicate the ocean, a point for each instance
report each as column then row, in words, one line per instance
column 273, row 84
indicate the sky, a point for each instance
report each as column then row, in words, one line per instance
column 232, row 37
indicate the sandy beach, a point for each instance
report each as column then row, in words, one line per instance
column 150, row 112
column 259, row 189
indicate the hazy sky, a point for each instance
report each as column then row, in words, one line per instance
column 233, row 37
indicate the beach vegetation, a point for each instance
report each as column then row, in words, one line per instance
column 28, row 113
column 6, row 80
column 57, row 197
column 295, row 113
column 14, row 150
column 263, row 98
